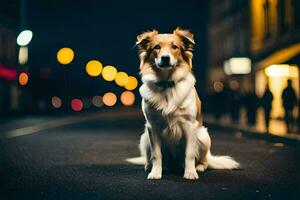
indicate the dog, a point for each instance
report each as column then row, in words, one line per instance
column 174, row 134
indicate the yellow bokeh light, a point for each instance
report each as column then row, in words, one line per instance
column 127, row 98
column 282, row 70
column 109, row 99
column 23, row 78
column 65, row 55
column 109, row 73
column 121, row 79
column 94, row 68
column 132, row 83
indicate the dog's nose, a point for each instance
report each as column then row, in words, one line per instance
column 165, row 60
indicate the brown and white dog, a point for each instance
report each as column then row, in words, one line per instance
column 174, row 133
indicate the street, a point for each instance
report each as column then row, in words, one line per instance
column 86, row 160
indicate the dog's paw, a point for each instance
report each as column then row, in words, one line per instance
column 190, row 175
column 154, row 175
column 201, row 167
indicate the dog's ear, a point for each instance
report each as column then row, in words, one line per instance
column 143, row 39
column 187, row 38
column 188, row 41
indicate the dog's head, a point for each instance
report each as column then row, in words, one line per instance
column 165, row 52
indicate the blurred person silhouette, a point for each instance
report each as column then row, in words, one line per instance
column 234, row 100
column 266, row 102
column 251, row 103
column 219, row 99
column 289, row 100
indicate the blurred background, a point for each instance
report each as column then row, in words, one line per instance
column 68, row 57
column 70, row 115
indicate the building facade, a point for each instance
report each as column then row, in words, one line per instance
column 275, row 46
column 229, row 36
column 265, row 31
column 8, row 57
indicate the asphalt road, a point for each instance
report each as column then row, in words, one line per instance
column 85, row 160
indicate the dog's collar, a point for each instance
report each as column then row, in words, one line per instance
column 165, row 84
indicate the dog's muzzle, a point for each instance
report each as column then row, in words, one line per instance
column 165, row 62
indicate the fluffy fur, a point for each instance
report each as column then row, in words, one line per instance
column 174, row 136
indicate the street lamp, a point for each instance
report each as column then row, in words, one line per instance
column 24, row 38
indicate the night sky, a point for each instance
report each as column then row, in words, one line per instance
column 104, row 30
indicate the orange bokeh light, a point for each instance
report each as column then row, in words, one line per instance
column 23, row 78
column 127, row 98
column 109, row 99
column 56, row 102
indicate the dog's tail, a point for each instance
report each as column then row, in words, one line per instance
column 136, row 160
column 221, row 162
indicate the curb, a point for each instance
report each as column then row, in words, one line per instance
column 255, row 134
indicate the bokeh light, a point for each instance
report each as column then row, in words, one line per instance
column 24, row 37
column 56, row 102
column 109, row 99
column 23, row 55
column 109, row 73
column 218, row 86
column 76, row 105
column 132, row 83
column 127, row 98
column 121, row 79
column 23, row 78
column 282, row 70
column 97, row 101
column 65, row 55
column 94, row 68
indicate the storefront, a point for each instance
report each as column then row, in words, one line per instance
column 275, row 70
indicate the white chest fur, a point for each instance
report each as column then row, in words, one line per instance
column 170, row 111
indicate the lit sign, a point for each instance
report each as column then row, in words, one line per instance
column 283, row 70
column 238, row 65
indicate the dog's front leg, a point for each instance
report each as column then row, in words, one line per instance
column 156, row 171
column 190, row 156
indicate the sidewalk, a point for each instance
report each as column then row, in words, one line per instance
column 277, row 128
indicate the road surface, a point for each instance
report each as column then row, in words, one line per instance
column 85, row 159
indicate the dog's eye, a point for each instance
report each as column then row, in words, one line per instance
column 156, row 47
column 174, row 46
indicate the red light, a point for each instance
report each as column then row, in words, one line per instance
column 76, row 105
column 8, row 73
